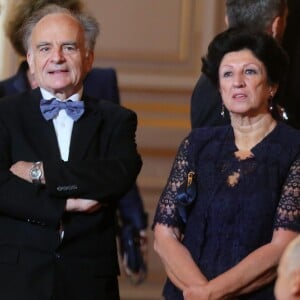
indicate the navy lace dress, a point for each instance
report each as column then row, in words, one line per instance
column 239, row 201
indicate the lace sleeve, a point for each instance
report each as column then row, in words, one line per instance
column 288, row 211
column 166, row 212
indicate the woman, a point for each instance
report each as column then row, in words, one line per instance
column 247, row 181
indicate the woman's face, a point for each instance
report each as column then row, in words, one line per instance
column 244, row 84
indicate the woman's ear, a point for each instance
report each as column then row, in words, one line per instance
column 273, row 90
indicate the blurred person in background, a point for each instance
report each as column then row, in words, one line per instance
column 291, row 43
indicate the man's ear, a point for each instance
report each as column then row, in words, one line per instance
column 275, row 25
column 226, row 21
column 295, row 284
column 29, row 57
column 278, row 27
column 89, row 57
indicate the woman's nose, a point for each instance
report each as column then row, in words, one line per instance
column 238, row 81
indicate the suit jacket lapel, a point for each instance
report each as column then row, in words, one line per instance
column 85, row 128
column 41, row 133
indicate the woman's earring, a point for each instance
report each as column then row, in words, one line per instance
column 222, row 111
column 280, row 111
column 271, row 101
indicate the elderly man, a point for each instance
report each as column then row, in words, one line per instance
column 65, row 161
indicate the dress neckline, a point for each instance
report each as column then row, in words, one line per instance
column 260, row 144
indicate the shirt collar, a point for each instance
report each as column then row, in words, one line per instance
column 47, row 95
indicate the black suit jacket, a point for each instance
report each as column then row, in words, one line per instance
column 206, row 105
column 291, row 43
column 100, row 83
column 103, row 164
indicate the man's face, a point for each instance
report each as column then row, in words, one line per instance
column 57, row 55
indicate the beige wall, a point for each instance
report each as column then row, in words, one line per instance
column 156, row 47
column 153, row 43
column 8, row 58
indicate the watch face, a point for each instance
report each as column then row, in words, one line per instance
column 36, row 173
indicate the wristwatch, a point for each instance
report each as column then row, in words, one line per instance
column 35, row 172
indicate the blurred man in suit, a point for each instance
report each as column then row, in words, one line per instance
column 291, row 43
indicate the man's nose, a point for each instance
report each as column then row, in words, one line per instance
column 57, row 55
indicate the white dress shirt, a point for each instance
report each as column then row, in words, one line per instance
column 63, row 124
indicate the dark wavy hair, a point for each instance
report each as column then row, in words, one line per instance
column 263, row 46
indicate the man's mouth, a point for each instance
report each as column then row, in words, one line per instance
column 57, row 71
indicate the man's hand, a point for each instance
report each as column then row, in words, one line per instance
column 82, row 205
column 22, row 169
